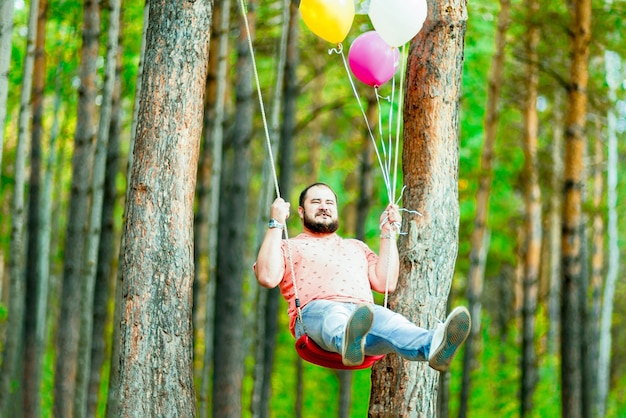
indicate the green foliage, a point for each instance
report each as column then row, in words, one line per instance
column 3, row 312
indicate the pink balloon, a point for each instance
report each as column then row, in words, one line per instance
column 372, row 60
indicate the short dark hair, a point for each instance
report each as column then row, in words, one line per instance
column 305, row 191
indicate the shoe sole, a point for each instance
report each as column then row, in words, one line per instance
column 457, row 328
column 357, row 328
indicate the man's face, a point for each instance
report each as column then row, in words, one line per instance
column 319, row 213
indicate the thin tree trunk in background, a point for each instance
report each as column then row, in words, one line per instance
column 34, row 323
column 571, row 241
column 430, row 165
column 556, row 151
column 156, row 338
column 12, row 345
column 82, row 162
column 45, row 233
column 604, row 361
column 228, row 339
column 108, row 240
column 92, row 241
column 7, row 8
column 478, row 254
column 283, row 103
column 214, row 137
column 597, row 232
column 532, row 203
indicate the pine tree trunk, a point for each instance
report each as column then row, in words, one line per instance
column 571, row 241
column 92, row 243
column 214, row 137
column 113, row 401
column 556, row 151
column 17, row 286
column 533, row 227
column 34, row 323
column 430, row 166
column 108, row 241
column 228, row 338
column 82, row 163
column 156, row 338
column 612, row 60
column 283, row 104
column 480, row 234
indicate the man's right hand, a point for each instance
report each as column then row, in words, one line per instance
column 280, row 210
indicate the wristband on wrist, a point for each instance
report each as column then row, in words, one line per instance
column 273, row 223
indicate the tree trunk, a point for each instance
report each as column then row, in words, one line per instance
column 34, row 322
column 571, row 241
column 156, row 349
column 113, row 401
column 430, row 165
column 107, row 247
column 228, row 324
column 592, row 335
column 283, row 103
column 69, row 320
column 12, row 345
column 480, row 234
column 556, row 151
column 214, row 132
column 604, row 360
column 92, row 243
column 7, row 8
column 532, row 201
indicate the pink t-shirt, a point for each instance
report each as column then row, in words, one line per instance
column 331, row 268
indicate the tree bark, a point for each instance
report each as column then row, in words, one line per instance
column 156, row 350
column 532, row 203
column 571, row 240
column 430, row 165
column 82, row 162
column 13, row 344
column 228, row 324
column 606, row 320
column 556, row 151
column 283, row 104
column 36, row 277
column 214, row 132
column 108, row 243
column 92, row 243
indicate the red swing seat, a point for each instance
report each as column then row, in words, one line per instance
column 308, row 350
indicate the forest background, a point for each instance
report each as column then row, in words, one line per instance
column 330, row 145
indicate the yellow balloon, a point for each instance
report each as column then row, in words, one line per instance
column 329, row 19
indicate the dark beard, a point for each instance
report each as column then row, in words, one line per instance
column 320, row 228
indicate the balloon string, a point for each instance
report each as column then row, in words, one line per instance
column 399, row 118
column 369, row 130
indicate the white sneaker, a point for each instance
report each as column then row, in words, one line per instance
column 448, row 337
column 359, row 324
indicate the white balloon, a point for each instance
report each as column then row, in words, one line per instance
column 398, row 21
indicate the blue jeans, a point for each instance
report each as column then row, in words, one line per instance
column 325, row 322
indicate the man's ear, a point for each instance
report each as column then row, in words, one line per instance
column 301, row 212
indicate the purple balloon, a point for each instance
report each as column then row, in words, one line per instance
column 372, row 60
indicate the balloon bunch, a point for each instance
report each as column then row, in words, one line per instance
column 374, row 55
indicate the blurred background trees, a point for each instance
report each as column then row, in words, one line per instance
column 540, row 225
